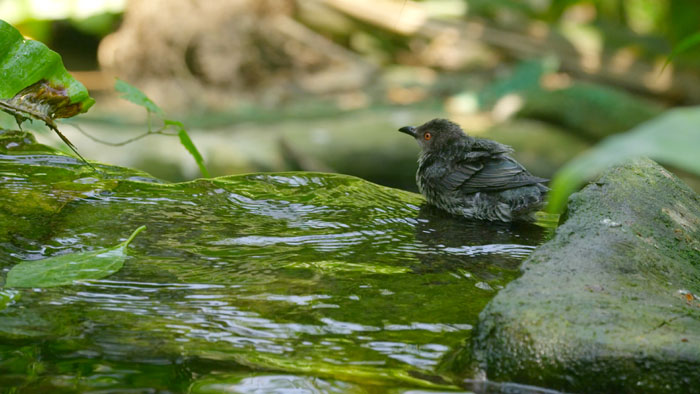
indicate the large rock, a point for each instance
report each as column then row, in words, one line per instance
column 231, row 53
column 610, row 303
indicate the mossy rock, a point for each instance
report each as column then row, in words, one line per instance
column 610, row 303
column 28, row 209
column 268, row 251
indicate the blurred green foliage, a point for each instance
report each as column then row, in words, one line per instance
column 672, row 139
column 690, row 42
column 34, row 17
column 628, row 126
column 655, row 26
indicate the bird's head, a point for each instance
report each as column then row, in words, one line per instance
column 435, row 134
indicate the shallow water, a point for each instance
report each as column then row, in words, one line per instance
column 291, row 282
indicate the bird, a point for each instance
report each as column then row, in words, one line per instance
column 473, row 177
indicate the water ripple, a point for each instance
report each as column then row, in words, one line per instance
column 322, row 274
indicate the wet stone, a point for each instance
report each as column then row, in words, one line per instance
column 610, row 304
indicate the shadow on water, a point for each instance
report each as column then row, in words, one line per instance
column 319, row 282
column 450, row 243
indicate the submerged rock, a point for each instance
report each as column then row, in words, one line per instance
column 610, row 304
column 300, row 275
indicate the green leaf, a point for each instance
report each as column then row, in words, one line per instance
column 136, row 96
column 672, row 138
column 691, row 41
column 35, row 84
column 186, row 141
column 133, row 94
column 66, row 269
column 34, row 81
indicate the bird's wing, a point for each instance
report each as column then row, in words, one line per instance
column 488, row 173
column 460, row 173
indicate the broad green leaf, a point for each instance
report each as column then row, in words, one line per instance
column 672, row 138
column 134, row 95
column 34, row 82
column 186, row 141
column 66, row 269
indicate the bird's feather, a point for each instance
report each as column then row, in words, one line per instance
column 471, row 174
column 474, row 177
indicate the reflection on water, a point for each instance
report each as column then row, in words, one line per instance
column 328, row 283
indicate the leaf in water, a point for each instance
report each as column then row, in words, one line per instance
column 66, row 269
column 186, row 141
column 672, row 138
column 134, row 95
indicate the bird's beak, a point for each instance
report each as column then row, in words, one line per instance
column 410, row 130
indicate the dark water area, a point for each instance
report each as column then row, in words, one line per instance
column 286, row 282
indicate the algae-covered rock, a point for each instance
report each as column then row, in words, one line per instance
column 610, row 303
column 299, row 275
column 363, row 143
column 42, row 181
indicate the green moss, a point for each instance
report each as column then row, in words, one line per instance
column 299, row 273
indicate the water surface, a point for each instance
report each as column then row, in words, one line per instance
column 290, row 282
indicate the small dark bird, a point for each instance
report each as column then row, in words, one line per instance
column 473, row 177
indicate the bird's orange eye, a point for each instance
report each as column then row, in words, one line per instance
column 427, row 136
